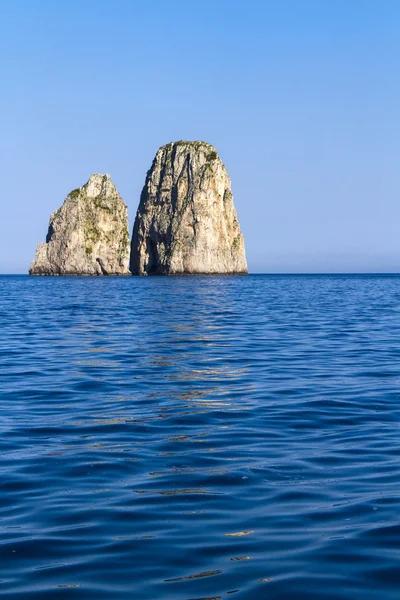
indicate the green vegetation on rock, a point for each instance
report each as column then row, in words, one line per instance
column 88, row 235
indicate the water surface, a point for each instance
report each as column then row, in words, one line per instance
column 200, row 438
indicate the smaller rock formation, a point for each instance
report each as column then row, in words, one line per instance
column 88, row 235
column 186, row 222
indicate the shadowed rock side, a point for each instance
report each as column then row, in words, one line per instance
column 186, row 222
column 88, row 235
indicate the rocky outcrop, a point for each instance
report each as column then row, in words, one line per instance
column 186, row 222
column 88, row 235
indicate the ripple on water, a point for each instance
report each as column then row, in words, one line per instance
column 200, row 438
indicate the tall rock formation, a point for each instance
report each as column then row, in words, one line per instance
column 186, row 222
column 88, row 235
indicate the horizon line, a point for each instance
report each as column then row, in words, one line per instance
column 269, row 274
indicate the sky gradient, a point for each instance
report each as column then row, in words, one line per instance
column 300, row 97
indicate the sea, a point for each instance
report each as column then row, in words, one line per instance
column 187, row 438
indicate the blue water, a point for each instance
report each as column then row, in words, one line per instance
column 186, row 438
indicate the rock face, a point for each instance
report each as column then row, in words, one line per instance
column 186, row 222
column 88, row 235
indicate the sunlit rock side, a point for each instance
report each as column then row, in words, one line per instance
column 88, row 235
column 186, row 222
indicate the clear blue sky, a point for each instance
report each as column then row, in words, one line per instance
column 300, row 97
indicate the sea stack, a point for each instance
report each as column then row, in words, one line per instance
column 88, row 235
column 186, row 223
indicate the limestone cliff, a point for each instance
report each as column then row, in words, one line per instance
column 186, row 222
column 88, row 235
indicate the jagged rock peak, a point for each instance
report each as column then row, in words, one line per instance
column 88, row 235
column 186, row 222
